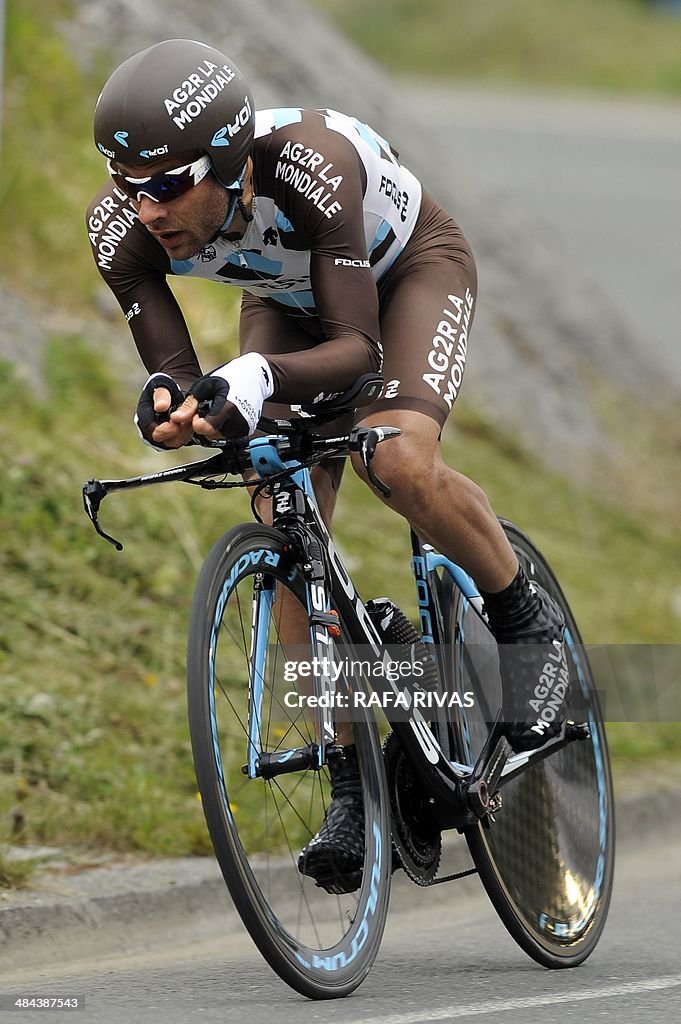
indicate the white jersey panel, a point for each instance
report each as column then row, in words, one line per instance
column 262, row 265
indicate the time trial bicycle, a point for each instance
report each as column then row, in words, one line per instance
column 539, row 825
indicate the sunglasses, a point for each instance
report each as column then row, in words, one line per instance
column 164, row 186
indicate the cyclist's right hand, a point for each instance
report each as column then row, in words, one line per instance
column 161, row 396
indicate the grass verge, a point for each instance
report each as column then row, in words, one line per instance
column 615, row 45
column 94, row 748
column 14, row 874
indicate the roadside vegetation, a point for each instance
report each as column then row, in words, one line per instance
column 613, row 45
column 94, row 748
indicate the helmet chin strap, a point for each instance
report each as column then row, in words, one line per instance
column 248, row 217
column 235, row 203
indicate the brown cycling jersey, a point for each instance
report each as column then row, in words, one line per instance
column 333, row 213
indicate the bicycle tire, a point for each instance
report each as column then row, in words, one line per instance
column 552, row 892
column 321, row 945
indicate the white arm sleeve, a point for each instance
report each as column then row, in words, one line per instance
column 250, row 384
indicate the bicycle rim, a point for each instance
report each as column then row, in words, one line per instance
column 547, row 858
column 322, row 945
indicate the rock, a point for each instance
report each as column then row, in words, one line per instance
column 40, row 705
column 22, row 339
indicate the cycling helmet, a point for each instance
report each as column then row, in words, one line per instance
column 176, row 96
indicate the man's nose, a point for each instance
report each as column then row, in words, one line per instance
column 149, row 211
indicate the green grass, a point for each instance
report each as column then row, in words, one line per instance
column 49, row 164
column 93, row 736
column 617, row 45
column 93, row 733
column 15, row 874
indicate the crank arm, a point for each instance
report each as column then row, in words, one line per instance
column 571, row 732
column 486, row 776
column 498, row 764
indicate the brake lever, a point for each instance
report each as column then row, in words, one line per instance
column 94, row 493
column 365, row 441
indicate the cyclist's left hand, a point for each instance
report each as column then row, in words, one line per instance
column 230, row 399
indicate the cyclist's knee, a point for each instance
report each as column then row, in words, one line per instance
column 405, row 465
column 412, row 467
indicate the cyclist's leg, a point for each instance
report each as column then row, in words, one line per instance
column 265, row 329
column 426, row 313
column 427, row 307
column 335, row 855
column 446, row 508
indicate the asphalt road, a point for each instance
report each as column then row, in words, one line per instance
column 445, row 957
column 602, row 178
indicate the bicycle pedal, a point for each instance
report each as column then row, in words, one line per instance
column 577, row 731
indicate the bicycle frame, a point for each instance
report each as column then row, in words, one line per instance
column 442, row 766
column 460, row 794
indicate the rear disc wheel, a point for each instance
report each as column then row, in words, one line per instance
column 547, row 858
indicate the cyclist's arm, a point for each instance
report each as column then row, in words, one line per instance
column 347, row 302
column 134, row 267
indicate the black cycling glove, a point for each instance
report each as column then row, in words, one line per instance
column 211, row 394
column 146, row 419
column 231, row 397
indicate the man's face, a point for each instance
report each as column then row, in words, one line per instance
column 184, row 225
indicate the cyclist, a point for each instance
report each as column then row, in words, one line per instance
column 347, row 266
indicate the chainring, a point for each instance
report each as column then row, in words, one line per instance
column 416, row 836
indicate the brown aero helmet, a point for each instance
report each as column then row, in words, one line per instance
column 177, row 96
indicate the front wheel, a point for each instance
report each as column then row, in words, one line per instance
column 547, row 857
column 243, row 713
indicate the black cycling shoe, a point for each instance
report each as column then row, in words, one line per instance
column 534, row 672
column 334, row 857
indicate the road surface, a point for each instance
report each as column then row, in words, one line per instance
column 602, row 177
column 445, row 957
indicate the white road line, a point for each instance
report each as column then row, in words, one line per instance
column 525, row 1002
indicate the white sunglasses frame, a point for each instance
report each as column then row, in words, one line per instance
column 198, row 169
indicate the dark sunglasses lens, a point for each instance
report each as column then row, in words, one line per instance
column 161, row 187
column 169, row 187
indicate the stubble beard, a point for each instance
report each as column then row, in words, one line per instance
column 203, row 227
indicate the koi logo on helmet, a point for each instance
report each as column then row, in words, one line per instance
column 150, row 154
column 242, row 119
column 107, row 152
